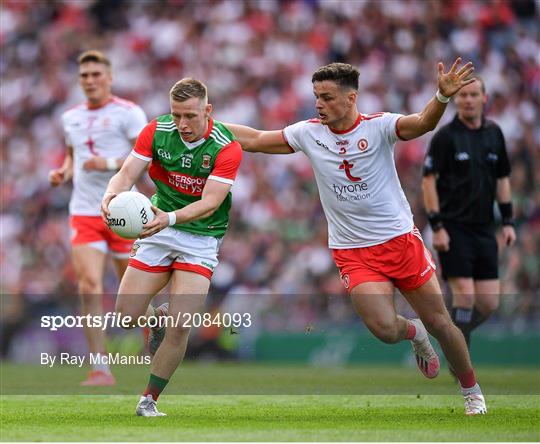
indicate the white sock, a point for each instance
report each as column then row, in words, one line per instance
column 100, row 365
column 474, row 390
column 420, row 332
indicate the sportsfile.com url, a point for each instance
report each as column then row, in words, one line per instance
column 112, row 320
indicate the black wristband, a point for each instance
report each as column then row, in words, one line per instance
column 507, row 213
column 435, row 221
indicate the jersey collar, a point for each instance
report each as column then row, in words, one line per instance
column 460, row 123
column 90, row 107
column 199, row 142
column 348, row 130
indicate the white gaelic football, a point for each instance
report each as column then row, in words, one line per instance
column 129, row 211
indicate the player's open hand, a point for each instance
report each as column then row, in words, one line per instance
column 95, row 163
column 160, row 221
column 455, row 79
column 105, row 205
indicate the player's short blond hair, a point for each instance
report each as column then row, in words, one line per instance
column 94, row 56
column 188, row 88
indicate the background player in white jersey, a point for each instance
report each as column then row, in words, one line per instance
column 370, row 225
column 99, row 134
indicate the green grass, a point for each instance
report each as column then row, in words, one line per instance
column 278, row 417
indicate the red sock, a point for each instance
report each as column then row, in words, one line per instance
column 467, row 380
column 411, row 331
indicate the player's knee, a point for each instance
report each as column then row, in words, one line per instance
column 176, row 336
column 463, row 300
column 387, row 332
column 89, row 286
column 489, row 307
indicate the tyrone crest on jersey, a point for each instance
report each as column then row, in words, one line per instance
column 206, row 161
column 362, row 145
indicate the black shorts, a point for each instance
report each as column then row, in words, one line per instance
column 473, row 252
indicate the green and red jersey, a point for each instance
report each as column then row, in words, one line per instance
column 180, row 169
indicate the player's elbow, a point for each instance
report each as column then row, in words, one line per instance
column 212, row 204
column 248, row 147
column 428, row 125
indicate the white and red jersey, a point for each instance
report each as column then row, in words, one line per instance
column 357, row 179
column 107, row 132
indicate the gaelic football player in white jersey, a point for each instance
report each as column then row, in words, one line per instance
column 99, row 134
column 370, row 226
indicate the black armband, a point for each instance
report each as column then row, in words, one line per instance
column 506, row 213
column 435, row 221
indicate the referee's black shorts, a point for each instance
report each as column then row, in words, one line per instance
column 473, row 252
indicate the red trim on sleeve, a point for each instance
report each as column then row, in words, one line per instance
column 228, row 161
column 287, row 142
column 143, row 145
column 397, row 130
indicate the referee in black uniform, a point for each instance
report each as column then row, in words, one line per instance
column 465, row 170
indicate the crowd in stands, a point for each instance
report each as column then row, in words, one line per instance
column 256, row 58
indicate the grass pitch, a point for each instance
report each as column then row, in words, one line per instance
column 514, row 416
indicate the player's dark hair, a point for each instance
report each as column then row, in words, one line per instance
column 187, row 88
column 94, row 56
column 345, row 75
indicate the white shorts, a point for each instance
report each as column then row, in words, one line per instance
column 173, row 249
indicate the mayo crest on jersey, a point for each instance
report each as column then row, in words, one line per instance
column 107, row 132
column 357, row 179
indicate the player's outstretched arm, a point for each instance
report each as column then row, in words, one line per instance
column 130, row 172
column 255, row 141
column 415, row 125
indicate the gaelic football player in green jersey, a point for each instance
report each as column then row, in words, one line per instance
column 193, row 160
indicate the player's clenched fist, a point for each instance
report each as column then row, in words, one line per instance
column 57, row 177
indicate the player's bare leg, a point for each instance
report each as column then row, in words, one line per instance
column 137, row 289
column 89, row 264
column 120, row 266
column 428, row 302
column 188, row 293
column 374, row 302
column 487, row 296
column 462, row 304
column 473, row 301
